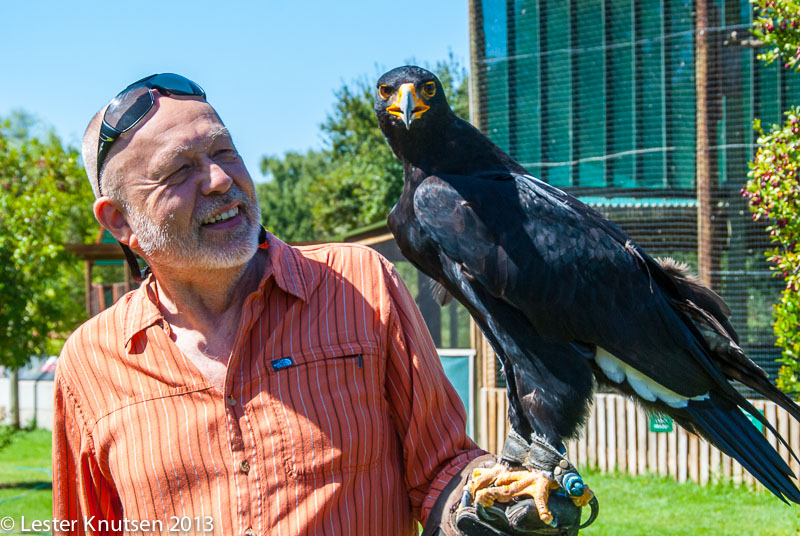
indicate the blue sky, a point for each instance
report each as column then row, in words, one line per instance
column 270, row 68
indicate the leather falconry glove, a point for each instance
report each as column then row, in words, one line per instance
column 454, row 514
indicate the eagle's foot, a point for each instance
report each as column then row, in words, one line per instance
column 502, row 484
column 540, row 455
column 534, row 489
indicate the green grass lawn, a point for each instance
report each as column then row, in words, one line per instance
column 655, row 506
column 629, row 506
column 26, row 478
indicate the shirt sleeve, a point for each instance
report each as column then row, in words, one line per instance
column 427, row 412
column 83, row 500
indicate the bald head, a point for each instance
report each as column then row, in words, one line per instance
column 89, row 149
column 112, row 182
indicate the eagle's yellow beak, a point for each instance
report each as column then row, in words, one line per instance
column 407, row 106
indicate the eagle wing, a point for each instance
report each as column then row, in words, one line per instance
column 574, row 275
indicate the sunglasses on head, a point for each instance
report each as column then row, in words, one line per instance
column 132, row 104
column 124, row 112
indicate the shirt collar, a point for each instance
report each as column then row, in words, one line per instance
column 284, row 263
column 140, row 309
column 288, row 266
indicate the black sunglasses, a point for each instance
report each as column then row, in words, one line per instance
column 132, row 104
column 125, row 111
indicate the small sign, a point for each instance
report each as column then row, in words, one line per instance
column 758, row 424
column 282, row 363
column 660, row 423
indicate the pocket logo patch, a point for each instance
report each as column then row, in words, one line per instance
column 282, row 363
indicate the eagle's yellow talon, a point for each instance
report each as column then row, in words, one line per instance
column 501, row 484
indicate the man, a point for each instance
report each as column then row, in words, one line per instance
column 247, row 387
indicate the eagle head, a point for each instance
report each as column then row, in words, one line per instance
column 408, row 96
column 412, row 110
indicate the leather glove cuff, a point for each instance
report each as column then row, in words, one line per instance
column 441, row 520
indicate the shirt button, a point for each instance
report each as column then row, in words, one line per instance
column 244, row 466
column 231, row 400
column 249, row 532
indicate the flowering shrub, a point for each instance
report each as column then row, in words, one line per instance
column 777, row 26
column 773, row 191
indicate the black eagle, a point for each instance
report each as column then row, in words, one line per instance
column 563, row 294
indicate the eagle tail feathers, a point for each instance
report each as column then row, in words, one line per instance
column 724, row 425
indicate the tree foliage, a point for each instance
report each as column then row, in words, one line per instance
column 45, row 202
column 284, row 200
column 355, row 179
column 773, row 189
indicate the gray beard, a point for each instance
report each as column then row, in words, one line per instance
column 165, row 245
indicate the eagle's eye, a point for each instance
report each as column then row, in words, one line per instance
column 429, row 89
column 384, row 91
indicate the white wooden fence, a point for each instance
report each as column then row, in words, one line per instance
column 618, row 437
column 35, row 401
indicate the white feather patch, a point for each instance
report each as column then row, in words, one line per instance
column 650, row 390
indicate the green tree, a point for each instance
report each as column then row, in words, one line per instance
column 284, row 200
column 355, row 179
column 773, row 189
column 45, row 202
column 365, row 178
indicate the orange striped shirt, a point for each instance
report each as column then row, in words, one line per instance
column 336, row 417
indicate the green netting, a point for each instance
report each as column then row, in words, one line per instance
column 601, row 93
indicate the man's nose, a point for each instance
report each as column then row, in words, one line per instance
column 216, row 180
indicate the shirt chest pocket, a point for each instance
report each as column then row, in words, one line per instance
column 331, row 411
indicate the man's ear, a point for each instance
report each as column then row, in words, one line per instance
column 112, row 217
